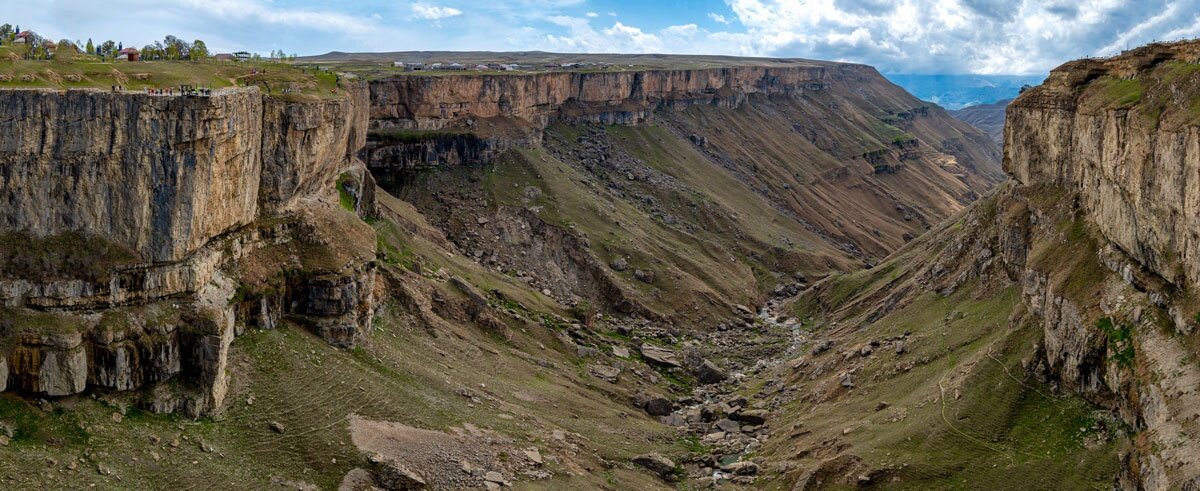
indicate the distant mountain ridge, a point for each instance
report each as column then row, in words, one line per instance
column 958, row 91
column 987, row 117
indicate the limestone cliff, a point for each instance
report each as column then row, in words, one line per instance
column 1121, row 132
column 194, row 188
column 161, row 175
column 430, row 103
column 834, row 146
column 1122, row 137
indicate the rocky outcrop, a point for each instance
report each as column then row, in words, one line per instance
column 436, row 102
column 1113, row 131
column 302, row 140
column 160, row 175
column 1120, row 137
column 195, row 187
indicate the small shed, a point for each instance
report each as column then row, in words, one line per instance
column 225, row 57
column 128, row 54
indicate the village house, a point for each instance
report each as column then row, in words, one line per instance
column 128, row 54
column 23, row 37
column 241, row 55
column 225, row 57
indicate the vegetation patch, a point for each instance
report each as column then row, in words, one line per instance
column 1120, row 341
column 1120, row 92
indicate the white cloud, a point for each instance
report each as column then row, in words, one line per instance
column 719, row 18
column 959, row 36
column 242, row 10
column 906, row 36
column 434, row 12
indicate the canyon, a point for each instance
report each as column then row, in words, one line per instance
column 781, row 274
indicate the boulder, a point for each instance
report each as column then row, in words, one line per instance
column 729, row 426
column 644, row 276
column 604, row 372
column 709, row 373
column 743, row 468
column 658, row 406
column 392, row 475
column 656, row 463
column 619, row 264
column 358, row 479
column 659, row 356
column 752, row 417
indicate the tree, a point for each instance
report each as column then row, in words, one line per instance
column 107, row 48
column 176, row 48
column 90, row 48
column 199, row 51
column 6, row 30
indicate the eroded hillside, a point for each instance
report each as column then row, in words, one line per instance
column 557, row 284
column 1045, row 337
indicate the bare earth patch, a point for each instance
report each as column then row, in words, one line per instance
column 466, row 457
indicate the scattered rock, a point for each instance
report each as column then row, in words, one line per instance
column 658, row 406
column 534, row 455
column 743, row 468
column 752, row 417
column 847, row 381
column 620, row 264
column 496, row 478
column 604, row 372
column 357, row 479
column 656, row 463
column 620, row 352
column 103, row 470
column 644, row 276
column 709, row 373
column 743, row 311
column 276, row 426
column 728, row 425
column 393, row 475
column 660, row 356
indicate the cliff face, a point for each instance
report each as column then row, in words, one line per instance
column 1121, row 132
column 835, row 147
column 1121, row 137
column 435, row 102
column 300, row 140
column 195, row 187
column 113, row 165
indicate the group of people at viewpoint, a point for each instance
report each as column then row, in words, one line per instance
column 187, row 90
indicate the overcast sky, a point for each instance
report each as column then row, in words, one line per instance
column 902, row 36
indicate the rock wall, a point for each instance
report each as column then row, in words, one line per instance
column 419, row 102
column 1137, row 173
column 1120, row 137
column 301, row 140
column 164, row 175
column 161, row 175
column 194, row 185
